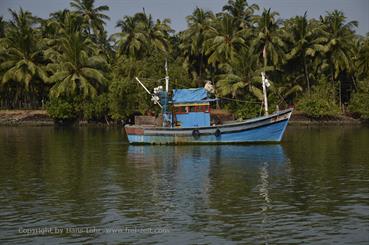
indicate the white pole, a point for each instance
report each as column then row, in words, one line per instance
column 265, row 93
column 143, row 85
column 153, row 96
column 166, row 77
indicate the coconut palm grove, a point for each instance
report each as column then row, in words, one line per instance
column 70, row 66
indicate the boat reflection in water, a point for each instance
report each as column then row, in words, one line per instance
column 232, row 154
column 223, row 186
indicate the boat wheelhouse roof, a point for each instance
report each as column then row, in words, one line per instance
column 189, row 96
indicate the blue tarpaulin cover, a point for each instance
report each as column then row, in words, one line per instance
column 189, row 95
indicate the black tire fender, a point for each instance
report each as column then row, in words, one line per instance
column 217, row 132
column 196, row 133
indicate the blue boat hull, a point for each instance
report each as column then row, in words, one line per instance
column 264, row 129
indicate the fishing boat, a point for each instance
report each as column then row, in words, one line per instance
column 186, row 120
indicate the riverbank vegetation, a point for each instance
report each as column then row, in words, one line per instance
column 71, row 66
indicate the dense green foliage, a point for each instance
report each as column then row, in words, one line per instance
column 68, row 63
column 62, row 109
column 320, row 102
column 359, row 102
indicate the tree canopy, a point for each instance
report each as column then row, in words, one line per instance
column 69, row 59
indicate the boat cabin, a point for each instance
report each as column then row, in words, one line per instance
column 191, row 108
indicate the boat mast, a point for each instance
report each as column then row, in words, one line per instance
column 166, row 77
column 265, row 85
column 167, row 117
column 264, row 81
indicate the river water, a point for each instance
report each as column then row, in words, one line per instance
column 88, row 186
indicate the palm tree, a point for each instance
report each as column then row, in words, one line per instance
column 241, row 76
column 92, row 16
column 362, row 60
column 339, row 44
column 22, row 52
column 305, row 43
column 2, row 27
column 62, row 23
column 160, row 35
column 241, row 11
column 2, row 35
column 224, row 40
column 269, row 43
column 156, row 33
column 2, row 50
column 193, row 40
column 139, row 35
column 76, row 66
column 130, row 41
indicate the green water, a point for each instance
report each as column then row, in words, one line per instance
column 88, row 186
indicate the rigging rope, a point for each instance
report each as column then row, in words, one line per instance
column 225, row 98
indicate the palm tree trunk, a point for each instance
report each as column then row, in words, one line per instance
column 306, row 75
column 333, row 81
column 200, row 70
column 265, row 57
column 354, row 81
column 340, row 93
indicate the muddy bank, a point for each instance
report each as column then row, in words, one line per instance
column 299, row 118
column 25, row 117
